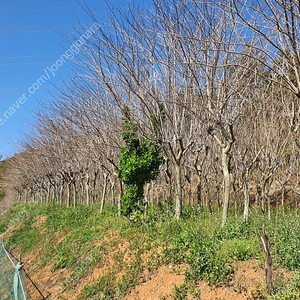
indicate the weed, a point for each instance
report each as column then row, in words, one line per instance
column 104, row 288
column 2, row 228
column 180, row 292
column 213, row 268
column 288, row 240
column 234, row 229
column 240, row 249
column 259, row 293
column 26, row 238
column 286, row 289
column 131, row 278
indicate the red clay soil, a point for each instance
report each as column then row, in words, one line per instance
column 154, row 286
column 159, row 285
column 248, row 275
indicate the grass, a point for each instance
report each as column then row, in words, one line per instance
column 76, row 239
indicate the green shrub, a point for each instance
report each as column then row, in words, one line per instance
column 290, row 295
column 211, row 267
column 259, row 293
column 234, row 229
column 139, row 163
column 286, row 289
column 288, row 241
column 241, row 249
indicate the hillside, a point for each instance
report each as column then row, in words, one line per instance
column 78, row 253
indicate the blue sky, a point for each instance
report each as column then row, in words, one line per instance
column 31, row 41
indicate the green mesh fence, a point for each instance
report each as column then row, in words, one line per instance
column 12, row 283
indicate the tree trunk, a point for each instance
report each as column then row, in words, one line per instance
column 103, row 193
column 246, row 196
column 198, row 167
column 74, row 194
column 266, row 198
column 247, row 203
column 48, row 193
column 263, row 199
column 226, row 178
column 269, row 183
column 169, row 192
column 282, row 200
column 236, row 206
column 94, row 185
column 147, row 197
column 113, row 199
column 178, row 204
column 199, row 187
column 87, row 188
column 169, row 185
column 152, row 194
column 52, row 192
column 25, row 195
column 61, row 193
column 266, row 244
column 119, row 198
column 68, row 194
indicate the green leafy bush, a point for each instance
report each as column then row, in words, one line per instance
column 139, row 163
column 234, row 229
column 210, row 266
column 288, row 241
column 241, row 249
column 288, row 295
column 132, row 202
column 189, row 244
column 286, row 289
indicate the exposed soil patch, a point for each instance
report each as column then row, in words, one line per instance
column 248, row 275
column 154, row 284
column 40, row 220
column 157, row 285
column 48, row 282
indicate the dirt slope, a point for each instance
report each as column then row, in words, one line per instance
column 156, row 284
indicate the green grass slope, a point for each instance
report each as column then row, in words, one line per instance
column 76, row 240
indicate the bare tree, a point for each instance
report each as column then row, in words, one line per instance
column 276, row 26
column 210, row 42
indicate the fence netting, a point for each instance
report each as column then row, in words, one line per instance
column 12, row 282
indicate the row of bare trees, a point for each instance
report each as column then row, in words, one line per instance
column 224, row 76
